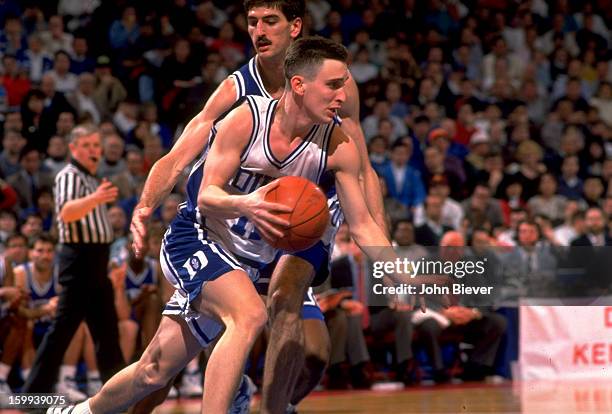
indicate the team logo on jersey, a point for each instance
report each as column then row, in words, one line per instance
column 195, row 263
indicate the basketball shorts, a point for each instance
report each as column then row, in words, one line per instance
column 189, row 260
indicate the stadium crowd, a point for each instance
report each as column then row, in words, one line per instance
column 489, row 123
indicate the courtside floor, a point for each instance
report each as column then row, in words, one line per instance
column 549, row 397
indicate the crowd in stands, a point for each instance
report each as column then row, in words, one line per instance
column 489, row 123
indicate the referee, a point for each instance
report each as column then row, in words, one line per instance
column 84, row 235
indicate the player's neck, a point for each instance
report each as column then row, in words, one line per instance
column 272, row 75
column 291, row 118
column 41, row 276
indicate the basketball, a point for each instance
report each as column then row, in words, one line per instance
column 309, row 217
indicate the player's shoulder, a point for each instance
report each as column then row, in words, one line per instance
column 340, row 148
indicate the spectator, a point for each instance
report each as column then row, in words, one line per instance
column 124, row 32
column 431, row 231
column 15, row 81
column 593, row 191
column 477, row 326
column 35, row 59
column 529, row 268
column 109, row 92
column 573, row 224
column 112, row 162
column 570, row 185
column 13, row 37
column 83, row 98
column 403, row 182
column 65, row 81
column 344, row 313
column 12, row 144
column 32, row 227
column 81, row 61
column 131, row 179
column 435, row 166
column 31, row 178
column 547, row 202
column 481, row 207
column 57, row 155
column 56, row 39
column 452, row 213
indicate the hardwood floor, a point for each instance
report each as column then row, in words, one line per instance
column 531, row 398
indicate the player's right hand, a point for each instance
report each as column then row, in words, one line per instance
column 138, row 227
column 106, row 192
column 51, row 306
column 264, row 214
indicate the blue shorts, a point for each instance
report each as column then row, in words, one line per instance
column 189, row 260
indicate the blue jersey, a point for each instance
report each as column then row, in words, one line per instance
column 41, row 294
column 134, row 282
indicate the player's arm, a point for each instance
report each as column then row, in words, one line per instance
column 222, row 162
column 122, row 303
column 368, row 177
column 8, row 291
column 344, row 160
column 165, row 172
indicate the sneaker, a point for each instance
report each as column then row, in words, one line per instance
column 291, row 409
column 94, row 385
column 173, row 393
column 242, row 400
column 4, row 388
column 60, row 410
column 5, row 393
column 68, row 387
column 191, row 385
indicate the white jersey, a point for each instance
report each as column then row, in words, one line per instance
column 258, row 167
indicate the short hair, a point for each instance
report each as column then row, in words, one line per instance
column 27, row 149
column 308, row 53
column 43, row 238
column 83, row 130
column 292, row 9
column 15, row 236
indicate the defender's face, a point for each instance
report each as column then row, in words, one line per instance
column 325, row 93
column 270, row 31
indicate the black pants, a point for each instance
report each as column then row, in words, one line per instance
column 484, row 333
column 87, row 294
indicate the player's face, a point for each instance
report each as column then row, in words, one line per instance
column 325, row 93
column 42, row 255
column 87, row 150
column 270, row 31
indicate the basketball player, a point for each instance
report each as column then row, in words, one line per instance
column 272, row 26
column 39, row 278
column 203, row 254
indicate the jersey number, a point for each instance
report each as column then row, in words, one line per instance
column 240, row 229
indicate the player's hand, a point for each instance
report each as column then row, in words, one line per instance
column 51, row 306
column 11, row 294
column 117, row 275
column 460, row 315
column 264, row 214
column 106, row 192
column 352, row 306
column 138, row 227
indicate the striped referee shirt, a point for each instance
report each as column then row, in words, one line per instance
column 71, row 183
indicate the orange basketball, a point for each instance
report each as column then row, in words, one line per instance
column 309, row 217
